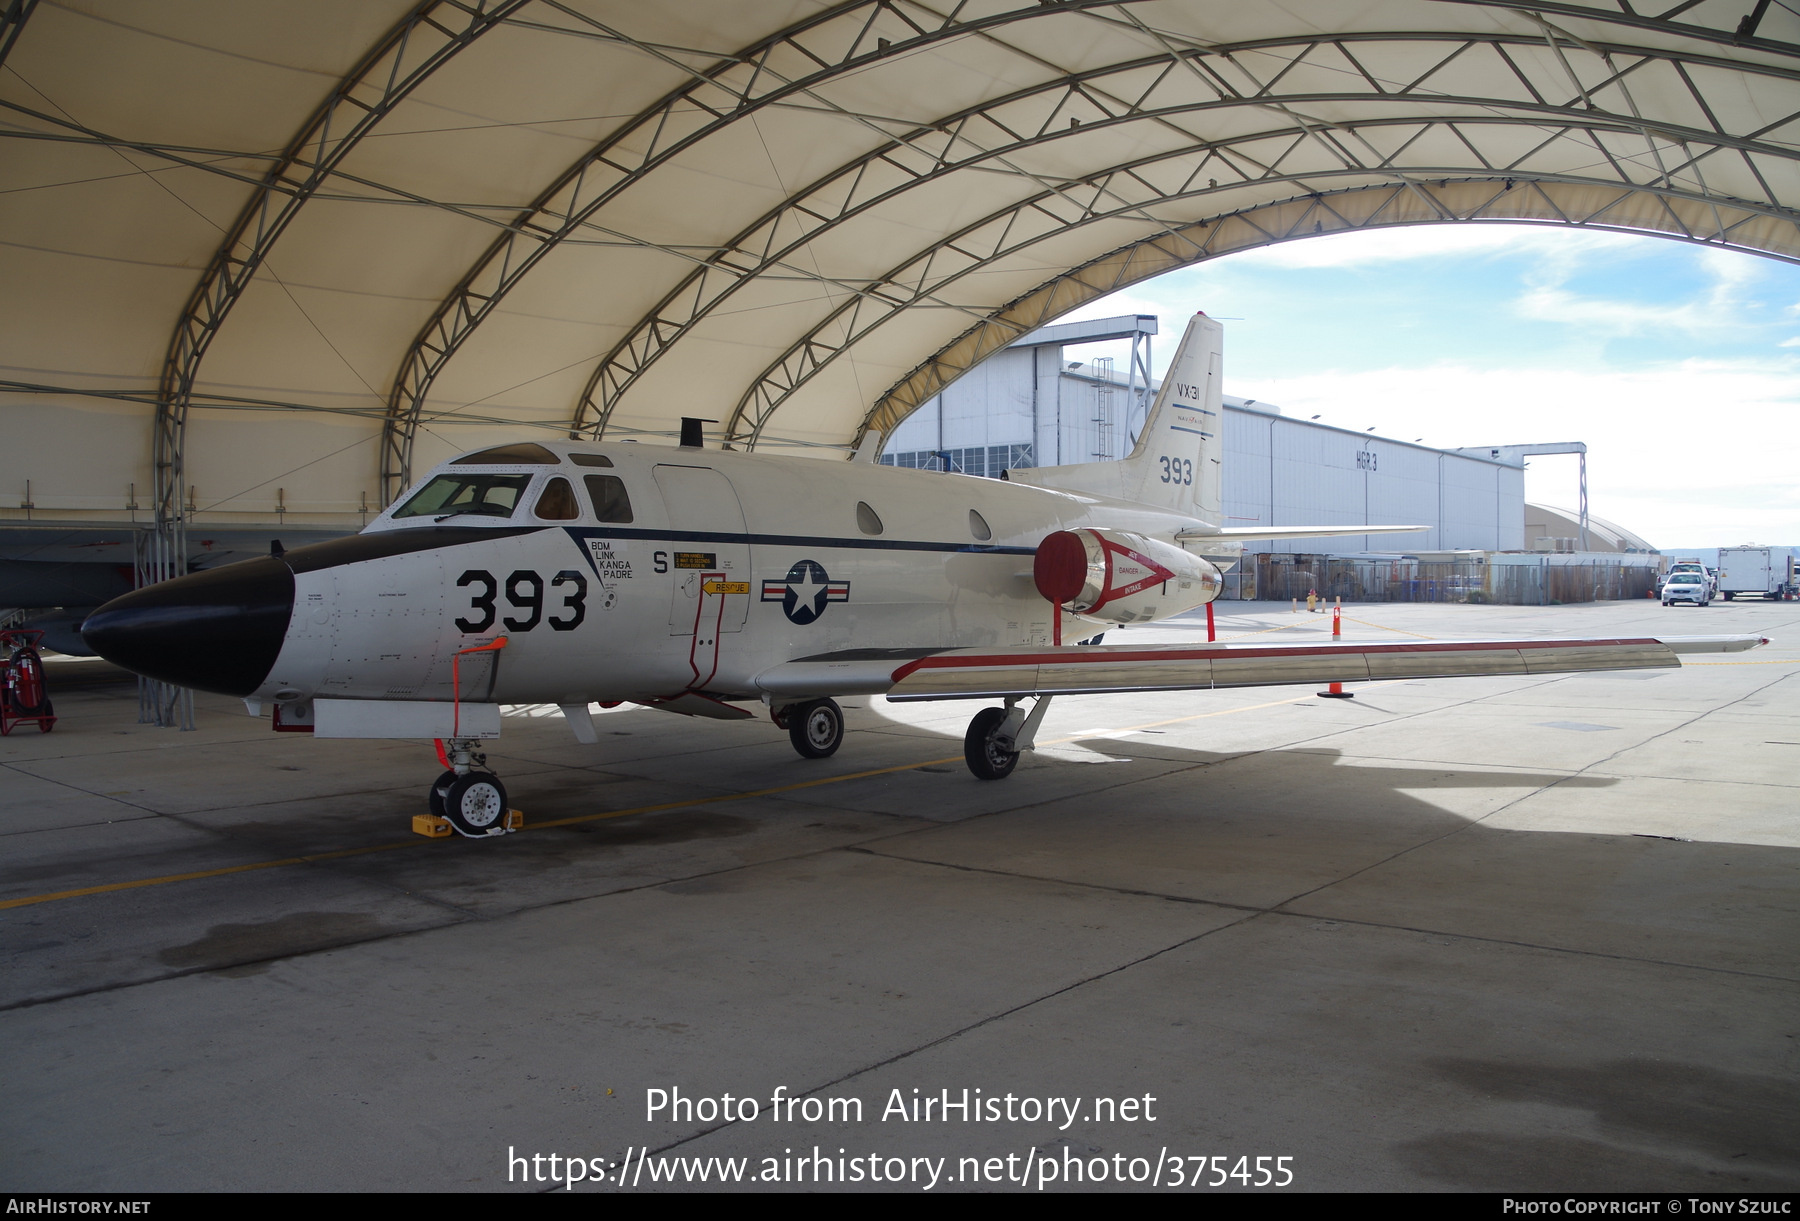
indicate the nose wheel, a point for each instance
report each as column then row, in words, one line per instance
column 470, row 799
column 474, row 803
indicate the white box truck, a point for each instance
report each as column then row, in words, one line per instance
column 1755, row 572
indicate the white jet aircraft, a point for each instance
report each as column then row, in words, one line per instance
column 698, row 580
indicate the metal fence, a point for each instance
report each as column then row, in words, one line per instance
column 1280, row 578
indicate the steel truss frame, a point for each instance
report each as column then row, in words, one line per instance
column 432, row 34
column 1326, row 173
column 1630, row 210
column 12, row 22
column 955, row 144
column 848, row 37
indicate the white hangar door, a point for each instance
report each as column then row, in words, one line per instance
column 709, row 558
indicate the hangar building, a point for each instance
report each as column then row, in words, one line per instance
column 1029, row 406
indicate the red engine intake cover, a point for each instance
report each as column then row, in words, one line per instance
column 1060, row 567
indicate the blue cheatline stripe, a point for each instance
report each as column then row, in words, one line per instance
column 582, row 533
column 1195, row 431
column 384, row 544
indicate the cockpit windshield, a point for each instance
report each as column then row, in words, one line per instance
column 474, row 494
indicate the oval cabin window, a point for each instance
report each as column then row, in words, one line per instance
column 978, row 526
column 867, row 519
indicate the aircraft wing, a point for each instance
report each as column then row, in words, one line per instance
column 922, row 674
column 1244, row 534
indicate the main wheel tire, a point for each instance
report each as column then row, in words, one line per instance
column 475, row 804
column 986, row 757
column 435, row 794
column 817, row 729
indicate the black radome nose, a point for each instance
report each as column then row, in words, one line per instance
column 218, row 630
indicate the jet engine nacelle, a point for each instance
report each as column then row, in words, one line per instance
column 1120, row 577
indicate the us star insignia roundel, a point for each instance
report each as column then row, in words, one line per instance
column 805, row 592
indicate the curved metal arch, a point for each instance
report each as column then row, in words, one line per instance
column 1658, row 214
column 12, row 24
column 825, row 203
column 435, row 31
column 1743, row 34
column 568, row 203
column 915, row 276
column 1654, row 210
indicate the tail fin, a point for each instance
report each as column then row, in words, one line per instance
column 1175, row 464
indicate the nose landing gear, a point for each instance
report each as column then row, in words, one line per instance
column 471, row 800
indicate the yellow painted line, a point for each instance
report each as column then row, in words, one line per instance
column 1322, row 627
column 1779, row 661
column 1198, row 716
column 1280, row 627
column 313, row 858
column 706, row 801
column 204, row 873
column 1384, row 627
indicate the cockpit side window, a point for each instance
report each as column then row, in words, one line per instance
column 611, row 503
column 474, row 494
column 557, row 501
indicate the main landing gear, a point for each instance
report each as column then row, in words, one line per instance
column 991, row 748
column 471, row 800
column 997, row 736
column 816, row 729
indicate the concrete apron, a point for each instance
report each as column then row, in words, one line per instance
column 1531, row 934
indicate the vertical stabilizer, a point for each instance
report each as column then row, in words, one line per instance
column 1176, row 462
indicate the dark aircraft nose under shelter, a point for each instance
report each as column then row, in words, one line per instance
column 267, row 264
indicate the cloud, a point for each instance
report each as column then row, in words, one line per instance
column 1407, row 242
column 1553, row 304
column 1721, row 306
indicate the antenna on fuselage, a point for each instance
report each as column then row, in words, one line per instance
column 692, row 436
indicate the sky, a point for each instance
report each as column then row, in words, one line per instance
column 1677, row 364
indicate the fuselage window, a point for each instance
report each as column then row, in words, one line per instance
column 590, row 459
column 866, row 518
column 978, row 526
column 557, row 501
column 521, row 453
column 611, row 504
column 475, row 494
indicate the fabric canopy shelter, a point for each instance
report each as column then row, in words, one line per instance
column 266, row 261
